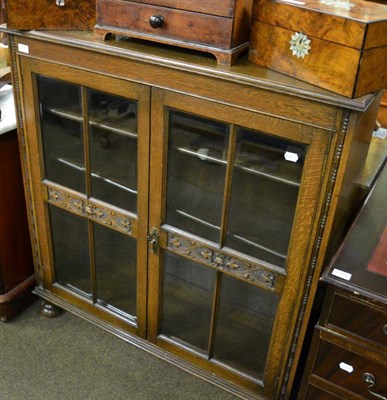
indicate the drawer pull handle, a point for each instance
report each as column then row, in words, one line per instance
column 156, row 21
column 369, row 378
column 60, row 3
column 385, row 329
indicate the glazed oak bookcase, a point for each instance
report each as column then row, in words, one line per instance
column 184, row 206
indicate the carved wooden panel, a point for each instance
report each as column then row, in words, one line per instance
column 80, row 205
column 231, row 265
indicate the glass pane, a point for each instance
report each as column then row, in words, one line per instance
column 188, row 292
column 196, row 173
column 266, row 179
column 69, row 235
column 62, row 132
column 245, row 321
column 115, row 265
column 113, row 149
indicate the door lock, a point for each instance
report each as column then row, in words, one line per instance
column 153, row 241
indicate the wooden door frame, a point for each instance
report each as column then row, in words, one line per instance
column 29, row 67
column 317, row 140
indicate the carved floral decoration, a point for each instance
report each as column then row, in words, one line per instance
column 223, row 262
column 90, row 210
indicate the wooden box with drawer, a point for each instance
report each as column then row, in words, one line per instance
column 218, row 27
column 348, row 359
column 337, row 45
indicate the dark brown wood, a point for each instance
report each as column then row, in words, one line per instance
column 368, row 324
column 43, row 14
column 177, row 24
column 205, row 29
column 16, row 300
column 315, row 393
column 220, row 8
column 350, row 339
column 348, row 48
column 16, row 265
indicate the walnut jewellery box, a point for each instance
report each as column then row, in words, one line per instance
column 335, row 44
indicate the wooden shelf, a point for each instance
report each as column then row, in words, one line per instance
column 117, row 127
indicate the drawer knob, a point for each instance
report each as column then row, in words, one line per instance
column 156, row 21
column 371, row 380
column 385, row 329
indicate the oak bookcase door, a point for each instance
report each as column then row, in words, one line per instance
column 234, row 190
column 89, row 146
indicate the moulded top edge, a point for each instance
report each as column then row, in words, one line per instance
column 242, row 72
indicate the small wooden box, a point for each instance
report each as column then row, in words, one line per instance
column 220, row 27
column 338, row 45
column 50, row 14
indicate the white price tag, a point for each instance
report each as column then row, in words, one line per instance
column 346, row 367
column 290, row 156
column 23, row 48
column 341, row 274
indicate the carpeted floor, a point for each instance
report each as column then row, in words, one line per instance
column 67, row 358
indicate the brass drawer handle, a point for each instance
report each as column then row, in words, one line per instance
column 369, row 378
column 156, row 21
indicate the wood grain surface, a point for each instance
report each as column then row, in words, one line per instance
column 184, row 25
column 223, row 8
column 44, row 14
column 328, row 65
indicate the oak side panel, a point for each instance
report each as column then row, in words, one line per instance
column 320, row 233
column 351, row 193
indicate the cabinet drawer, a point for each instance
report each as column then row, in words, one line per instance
column 223, row 8
column 177, row 24
column 345, row 369
column 370, row 322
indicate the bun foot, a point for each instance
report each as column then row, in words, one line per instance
column 49, row 310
